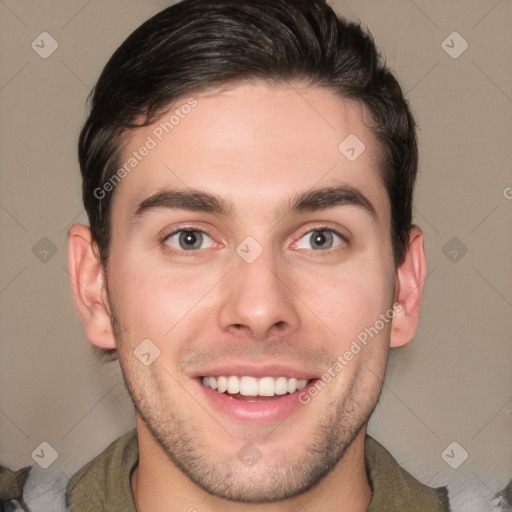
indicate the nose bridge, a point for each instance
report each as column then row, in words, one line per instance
column 259, row 298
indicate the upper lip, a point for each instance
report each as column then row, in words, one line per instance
column 253, row 370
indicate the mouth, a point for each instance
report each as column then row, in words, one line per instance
column 251, row 389
column 251, row 400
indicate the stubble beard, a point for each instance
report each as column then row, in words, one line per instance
column 181, row 439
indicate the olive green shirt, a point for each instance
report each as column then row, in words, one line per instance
column 103, row 484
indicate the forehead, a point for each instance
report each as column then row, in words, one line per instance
column 255, row 144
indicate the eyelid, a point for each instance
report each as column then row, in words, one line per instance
column 185, row 226
column 184, row 229
column 323, row 227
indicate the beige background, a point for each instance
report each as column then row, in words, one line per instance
column 452, row 383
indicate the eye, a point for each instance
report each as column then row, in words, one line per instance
column 187, row 239
column 321, row 238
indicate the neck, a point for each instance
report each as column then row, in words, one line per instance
column 158, row 485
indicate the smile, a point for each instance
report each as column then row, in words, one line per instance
column 253, row 400
column 251, row 386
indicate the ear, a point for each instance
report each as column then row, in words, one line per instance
column 410, row 277
column 89, row 286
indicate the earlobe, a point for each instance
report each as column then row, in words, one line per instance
column 410, row 278
column 89, row 287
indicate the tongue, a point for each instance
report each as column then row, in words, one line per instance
column 245, row 398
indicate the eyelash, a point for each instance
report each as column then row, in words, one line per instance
column 194, row 252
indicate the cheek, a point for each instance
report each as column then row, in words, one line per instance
column 142, row 302
column 155, row 301
column 348, row 299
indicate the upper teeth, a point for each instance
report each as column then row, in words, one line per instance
column 251, row 386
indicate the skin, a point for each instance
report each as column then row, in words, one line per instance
column 296, row 303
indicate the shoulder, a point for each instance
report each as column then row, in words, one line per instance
column 394, row 488
column 92, row 488
column 106, row 477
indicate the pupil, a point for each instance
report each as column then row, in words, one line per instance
column 190, row 239
column 320, row 239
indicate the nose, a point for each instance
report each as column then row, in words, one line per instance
column 259, row 297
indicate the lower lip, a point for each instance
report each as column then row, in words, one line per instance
column 266, row 412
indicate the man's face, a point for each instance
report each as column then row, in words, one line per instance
column 253, row 292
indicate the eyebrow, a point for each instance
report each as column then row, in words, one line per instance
column 310, row 201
